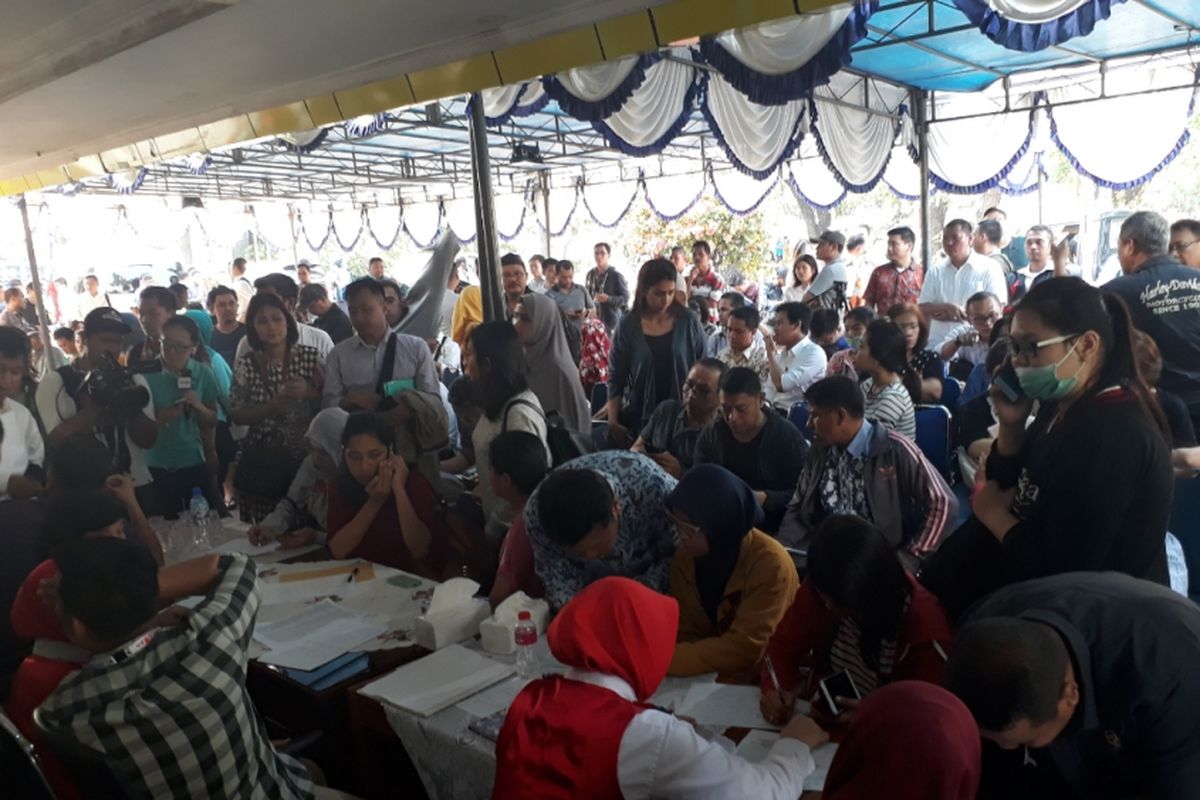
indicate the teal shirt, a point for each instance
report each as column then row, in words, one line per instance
column 224, row 377
column 179, row 444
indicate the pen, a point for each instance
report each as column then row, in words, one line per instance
column 353, row 574
column 771, row 674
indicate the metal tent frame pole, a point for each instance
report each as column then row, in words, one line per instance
column 546, row 209
column 43, row 318
column 921, row 121
column 485, row 214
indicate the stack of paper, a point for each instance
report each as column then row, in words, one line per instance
column 723, row 706
column 757, row 744
column 315, row 636
column 438, row 680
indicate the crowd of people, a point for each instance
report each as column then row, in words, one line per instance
column 695, row 481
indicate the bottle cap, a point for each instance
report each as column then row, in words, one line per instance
column 524, row 615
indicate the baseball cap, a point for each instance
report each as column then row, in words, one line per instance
column 833, row 237
column 303, row 263
column 104, row 320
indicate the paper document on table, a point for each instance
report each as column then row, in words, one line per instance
column 275, row 594
column 246, row 547
column 722, row 706
column 757, row 745
column 361, row 570
column 315, row 636
column 672, row 691
column 497, row 698
column 438, row 680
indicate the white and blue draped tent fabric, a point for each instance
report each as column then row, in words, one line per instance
column 819, row 102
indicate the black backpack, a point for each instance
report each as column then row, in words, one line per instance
column 564, row 443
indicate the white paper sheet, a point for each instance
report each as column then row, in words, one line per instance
column 723, row 706
column 275, row 593
column 315, row 636
column 672, row 691
column 497, row 698
column 757, row 744
column 438, row 680
column 245, row 547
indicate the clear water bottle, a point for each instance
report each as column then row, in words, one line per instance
column 198, row 511
column 526, row 637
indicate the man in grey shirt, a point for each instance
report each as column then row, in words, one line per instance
column 829, row 288
column 573, row 299
column 353, row 368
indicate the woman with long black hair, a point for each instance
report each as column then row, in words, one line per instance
column 892, row 388
column 1088, row 485
column 857, row 611
column 652, row 351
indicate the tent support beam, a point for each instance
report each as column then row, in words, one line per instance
column 43, row 318
column 921, row 108
column 485, row 214
column 546, row 208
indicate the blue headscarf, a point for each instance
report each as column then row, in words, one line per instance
column 724, row 507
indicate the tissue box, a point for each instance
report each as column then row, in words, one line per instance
column 437, row 629
column 496, row 632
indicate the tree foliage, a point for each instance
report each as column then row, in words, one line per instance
column 736, row 241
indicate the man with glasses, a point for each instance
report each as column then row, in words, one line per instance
column 669, row 438
column 1185, row 242
column 968, row 344
column 1163, row 296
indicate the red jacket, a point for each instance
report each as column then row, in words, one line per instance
column 809, row 627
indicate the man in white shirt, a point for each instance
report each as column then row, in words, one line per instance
column 92, row 298
column 795, row 361
column 537, row 279
column 241, row 285
column 286, row 290
column 968, row 343
column 829, row 289
column 68, row 410
column 21, row 446
column 950, row 283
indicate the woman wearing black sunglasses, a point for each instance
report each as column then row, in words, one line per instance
column 1086, row 486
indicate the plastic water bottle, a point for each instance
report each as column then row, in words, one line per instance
column 198, row 509
column 526, row 637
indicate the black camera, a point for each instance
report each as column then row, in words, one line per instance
column 112, row 387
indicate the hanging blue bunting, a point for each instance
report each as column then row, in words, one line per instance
column 123, row 186
column 594, row 111
column 515, row 110
column 592, row 214
column 801, row 197
column 758, row 174
column 1031, row 37
column 614, row 140
column 672, row 217
column 566, row 221
column 304, row 231
column 366, row 125
column 303, row 143
column 743, row 212
column 857, row 188
column 371, row 232
column 774, row 90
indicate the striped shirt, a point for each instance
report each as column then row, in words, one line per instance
column 891, row 407
column 170, row 711
column 846, row 654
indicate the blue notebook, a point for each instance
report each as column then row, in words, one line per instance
column 332, row 673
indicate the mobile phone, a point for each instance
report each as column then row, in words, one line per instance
column 1008, row 382
column 838, row 685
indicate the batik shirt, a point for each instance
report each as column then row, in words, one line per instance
column 645, row 541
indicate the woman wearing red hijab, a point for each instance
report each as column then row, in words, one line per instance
column 589, row 734
column 937, row 760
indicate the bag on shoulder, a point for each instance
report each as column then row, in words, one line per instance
column 564, row 443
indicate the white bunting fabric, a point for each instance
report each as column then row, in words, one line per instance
column 651, row 113
column 971, row 155
column 755, row 137
column 501, row 101
column 1035, row 11
column 596, row 82
column 781, row 46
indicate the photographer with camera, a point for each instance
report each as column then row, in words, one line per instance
column 99, row 396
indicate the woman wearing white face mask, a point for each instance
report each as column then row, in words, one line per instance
column 1087, row 486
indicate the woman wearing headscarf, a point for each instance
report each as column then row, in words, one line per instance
column 224, row 448
column 468, row 313
column 733, row 582
column 591, row 732
column 551, row 373
column 938, row 760
column 301, row 518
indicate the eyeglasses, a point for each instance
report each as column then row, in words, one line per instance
column 1179, row 247
column 1029, row 350
column 980, row 320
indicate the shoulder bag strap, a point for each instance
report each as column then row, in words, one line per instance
column 516, row 401
column 388, row 366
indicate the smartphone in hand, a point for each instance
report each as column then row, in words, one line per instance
column 1008, row 382
column 835, row 686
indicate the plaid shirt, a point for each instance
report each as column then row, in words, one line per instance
column 889, row 286
column 174, row 718
column 709, row 286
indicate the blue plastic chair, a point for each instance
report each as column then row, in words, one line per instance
column 1185, row 524
column 798, row 416
column 599, row 397
column 933, row 436
column 951, row 391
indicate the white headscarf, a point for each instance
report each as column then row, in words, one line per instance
column 325, row 432
column 553, row 376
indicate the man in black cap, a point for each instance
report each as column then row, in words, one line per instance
column 97, row 395
column 829, row 289
column 1093, row 676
